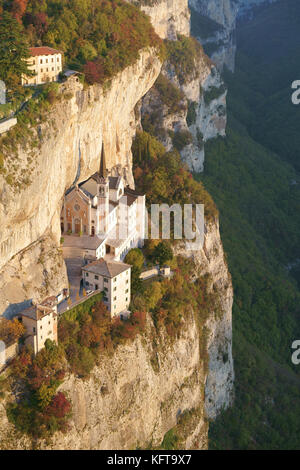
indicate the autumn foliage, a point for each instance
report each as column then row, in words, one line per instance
column 18, row 9
column 11, row 330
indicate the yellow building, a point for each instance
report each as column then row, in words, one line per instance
column 40, row 322
column 46, row 63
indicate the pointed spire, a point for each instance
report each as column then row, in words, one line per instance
column 102, row 170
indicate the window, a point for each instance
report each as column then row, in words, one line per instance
column 115, row 279
column 42, row 70
column 105, row 279
column 127, row 281
column 105, row 299
column 115, row 298
column 115, row 288
column 41, row 61
column 126, row 292
column 33, row 329
column 96, row 277
column 41, row 327
column 105, row 289
column 86, row 274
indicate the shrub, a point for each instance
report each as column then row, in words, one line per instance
column 184, row 54
column 169, row 94
column 181, row 139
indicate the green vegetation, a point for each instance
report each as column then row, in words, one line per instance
column 192, row 113
column 41, row 411
column 164, row 178
column 175, row 438
column 181, row 139
column 13, row 52
column 135, row 257
column 33, row 113
column 100, row 37
column 169, row 94
column 184, row 54
column 258, row 195
column 86, row 332
column 213, row 93
column 163, row 252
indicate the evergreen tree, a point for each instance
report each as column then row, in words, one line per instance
column 13, row 52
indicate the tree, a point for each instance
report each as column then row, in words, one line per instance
column 163, row 252
column 18, row 9
column 13, row 52
column 59, row 407
column 11, row 330
column 135, row 257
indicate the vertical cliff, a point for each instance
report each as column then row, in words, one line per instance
column 214, row 23
column 169, row 18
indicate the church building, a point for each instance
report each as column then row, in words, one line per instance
column 109, row 216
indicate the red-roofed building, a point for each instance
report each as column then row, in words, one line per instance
column 46, row 62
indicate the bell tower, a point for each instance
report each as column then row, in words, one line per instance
column 103, row 194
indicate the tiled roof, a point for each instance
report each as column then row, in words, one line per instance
column 44, row 50
column 36, row 312
column 106, row 268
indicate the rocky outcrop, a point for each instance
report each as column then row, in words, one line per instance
column 210, row 260
column 218, row 35
column 134, row 397
column 168, row 17
column 201, row 113
column 70, row 142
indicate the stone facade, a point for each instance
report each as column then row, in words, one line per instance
column 40, row 322
column 113, row 278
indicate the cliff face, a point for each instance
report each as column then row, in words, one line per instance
column 219, row 37
column 132, row 399
column 209, row 259
column 70, row 148
column 135, row 396
column 169, row 18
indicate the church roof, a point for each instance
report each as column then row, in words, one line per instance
column 106, row 268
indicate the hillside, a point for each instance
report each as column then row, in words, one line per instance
column 253, row 176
